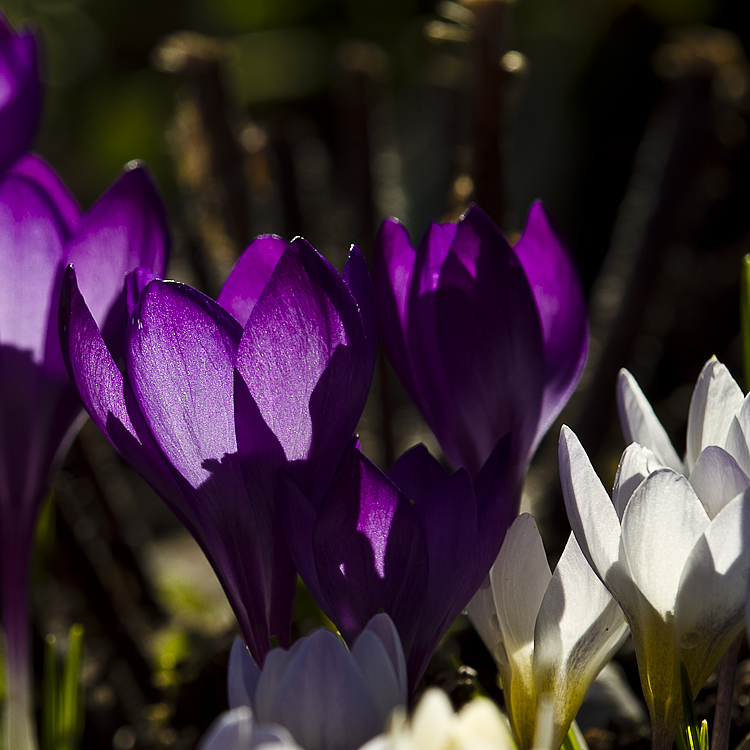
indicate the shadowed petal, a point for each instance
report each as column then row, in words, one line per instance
column 710, row 606
column 250, row 275
column 393, row 272
column 640, row 424
column 716, row 479
column 559, row 297
column 320, row 694
column 242, row 676
column 370, row 554
column 489, row 339
column 416, row 472
column 20, row 93
column 448, row 516
column 358, row 279
column 378, row 653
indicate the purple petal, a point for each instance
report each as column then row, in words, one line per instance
column 431, row 386
column 32, row 235
column 250, row 275
column 217, row 511
column 108, row 397
column 135, row 282
column 298, row 519
column 393, row 272
column 489, row 347
column 559, row 296
column 416, row 472
column 448, row 517
column 303, row 358
column 181, row 347
column 126, row 228
column 261, row 459
column 34, row 169
column 358, row 279
column 369, row 551
column 20, row 93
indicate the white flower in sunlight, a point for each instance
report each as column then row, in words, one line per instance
column 676, row 563
column 717, row 459
column 479, row 725
column 550, row 635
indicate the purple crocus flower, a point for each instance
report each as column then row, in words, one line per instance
column 41, row 231
column 217, row 398
column 20, row 93
column 415, row 543
column 486, row 338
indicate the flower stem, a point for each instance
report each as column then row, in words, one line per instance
column 18, row 708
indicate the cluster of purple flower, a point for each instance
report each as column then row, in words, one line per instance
column 241, row 412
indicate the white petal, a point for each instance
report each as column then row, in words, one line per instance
column 432, row 720
column 712, row 589
column 716, row 400
column 590, row 511
column 520, row 577
column 640, row 424
column 711, row 601
column 578, row 629
column 243, row 676
column 636, row 464
column 660, row 527
column 235, row 730
column 379, row 655
column 322, row 697
column 483, row 616
column 738, row 438
column 716, row 479
column 231, row 731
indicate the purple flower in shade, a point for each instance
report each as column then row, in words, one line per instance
column 210, row 412
column 41, row 231
column 486, row 338
column 20, row 93
column 415, row 543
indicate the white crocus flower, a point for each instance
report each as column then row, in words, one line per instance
column 717, row 459
column 479, row 725
column 327, row 697
column 236, row 730
column 676, row 564
column 550, row 634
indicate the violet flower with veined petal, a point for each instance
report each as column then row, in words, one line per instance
column 210, row 413
column 20, row 93
column 415, row 544
column 486, row 338
column 41, row 231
